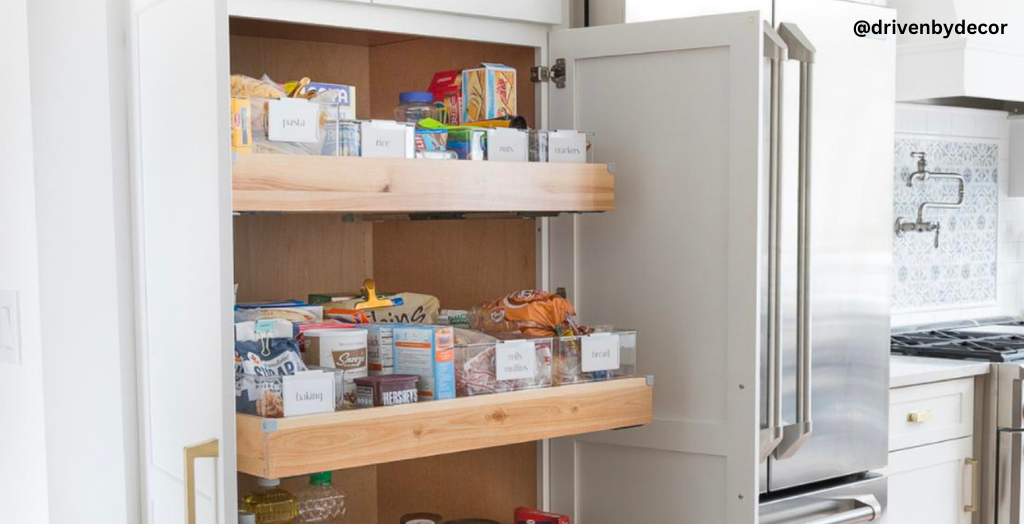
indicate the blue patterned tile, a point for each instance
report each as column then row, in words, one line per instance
column 963, row 269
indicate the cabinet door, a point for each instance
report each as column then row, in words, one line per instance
column 676, row 105
column 539, row 11
column 182, row 198
column 932, row 484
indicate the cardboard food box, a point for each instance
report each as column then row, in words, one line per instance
column 427, row 351
column 446, row 86
column 488, row 92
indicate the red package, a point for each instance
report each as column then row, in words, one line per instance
column 446, row 86
column 526, row 515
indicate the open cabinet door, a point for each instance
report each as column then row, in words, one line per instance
column 182, row 216
column 676, row 105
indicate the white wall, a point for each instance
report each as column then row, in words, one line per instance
column 954, row 123
column 68, row 423
column 23, row 464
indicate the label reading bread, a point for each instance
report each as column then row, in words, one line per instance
column 600, row 352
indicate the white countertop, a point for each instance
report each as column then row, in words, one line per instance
column 908, row 371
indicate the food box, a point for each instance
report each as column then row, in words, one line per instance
column 380, row 344
column 386, row 390
column 446, row 86
column 342, row 95
column 488, row 92
column 485, row 364
column 427, row 351
column 317, row 390
column 598, row 356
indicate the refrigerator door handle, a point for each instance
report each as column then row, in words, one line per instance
column 793, row 436
column 771, row 434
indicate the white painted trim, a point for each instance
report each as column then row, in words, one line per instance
column 376, row 17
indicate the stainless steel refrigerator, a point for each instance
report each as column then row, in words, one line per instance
column 751, row 247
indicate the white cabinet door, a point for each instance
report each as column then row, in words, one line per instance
column 539, row 11
column 932, row 484
column 677, row 106
column 646, row 10
column 182, row 199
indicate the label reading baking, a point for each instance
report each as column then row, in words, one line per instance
column 505, row 145
column 567, row 147
column 515, row 360
column 600, row 352
column 384, row 141
column 293, row 120
column 308, row 392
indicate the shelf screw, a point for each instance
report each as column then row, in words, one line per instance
column 741, row 496
column 742, row 386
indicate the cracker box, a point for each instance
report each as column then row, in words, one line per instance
column 488, row 92
column 427, row 351
column 446, row 86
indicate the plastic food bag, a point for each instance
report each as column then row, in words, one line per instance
column 532, row 312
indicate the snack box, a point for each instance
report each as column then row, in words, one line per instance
column 380, row 345
column 386, row 390
column 343, row 95
column 488, row 92
column 427, row 351
column 446, row 86
column 524, row 515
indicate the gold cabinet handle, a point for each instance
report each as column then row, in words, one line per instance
column 975, row 484
column 919, row 417
column 205, row 449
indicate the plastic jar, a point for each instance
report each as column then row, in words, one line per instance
column 414, row 106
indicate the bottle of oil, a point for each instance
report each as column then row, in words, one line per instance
column 270, row 503
column 320, row 502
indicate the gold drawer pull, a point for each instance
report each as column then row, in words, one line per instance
column 919, row 417
column 206, row 449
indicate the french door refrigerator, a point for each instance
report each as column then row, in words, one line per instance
column 751, row 247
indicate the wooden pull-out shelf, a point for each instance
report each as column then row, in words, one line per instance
column 268, row 182
column 277, row 448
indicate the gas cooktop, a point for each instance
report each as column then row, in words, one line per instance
column 1002, row 342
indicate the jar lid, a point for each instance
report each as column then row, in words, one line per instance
column 268, row 483
column 415, row 96
column 244, row 517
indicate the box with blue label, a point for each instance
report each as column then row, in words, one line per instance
column 429, row 352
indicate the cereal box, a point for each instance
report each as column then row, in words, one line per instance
column 488, row 92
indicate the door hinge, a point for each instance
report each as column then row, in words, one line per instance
column 555, row 73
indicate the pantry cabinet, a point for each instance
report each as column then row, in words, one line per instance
column 329, row 232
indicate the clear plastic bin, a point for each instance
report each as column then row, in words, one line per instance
column 328, row 135
column 561, row 146
column 599, row 356
column 485, row 365
column 263, row 396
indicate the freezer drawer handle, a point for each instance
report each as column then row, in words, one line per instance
column 794, row 436
column 771, row 434
column 866, row 509
column 206, row 449
column 975, row 484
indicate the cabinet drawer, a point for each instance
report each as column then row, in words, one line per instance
column 930, row 413
column 933, row 484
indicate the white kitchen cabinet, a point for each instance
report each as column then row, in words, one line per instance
column 190, row 251
column 933, row 484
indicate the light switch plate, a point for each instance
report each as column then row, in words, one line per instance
column 10, row 342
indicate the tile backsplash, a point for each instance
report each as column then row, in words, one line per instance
column 962, row 269
column 978, row 269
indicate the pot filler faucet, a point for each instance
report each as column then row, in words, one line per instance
column 921, row 226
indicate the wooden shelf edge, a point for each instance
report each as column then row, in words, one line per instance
column 304, row 445
column 287, row 183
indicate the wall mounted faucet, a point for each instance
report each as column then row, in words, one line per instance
column 920, row 225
